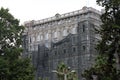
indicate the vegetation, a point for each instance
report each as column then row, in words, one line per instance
column 108, row 61
column 62, row 68
column 12, row 66
column 42, row 78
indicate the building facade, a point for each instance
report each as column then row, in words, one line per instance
column 68, row 38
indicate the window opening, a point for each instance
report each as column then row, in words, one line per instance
column 64, row 50
column 83, row 28
column 84, row 48
column 74, row 49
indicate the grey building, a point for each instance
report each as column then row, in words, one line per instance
column 68, row 38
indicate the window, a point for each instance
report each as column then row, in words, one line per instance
column 41, row 37
column 74, row 49
column 74, row 40
column 55, row 34
column 46, row 36
column 74, row 30
column 30, row 56
column 87, row 37
column 55, row 52
column 64, row 50
column 30, row 40
column 38, row 38
column 46, row 54
column 47, row 45
column 33, row 38
column 32, row 47
column 35, row 47
column 83, row 28
column 84, row 48
column 59, row 22
column 64, row 32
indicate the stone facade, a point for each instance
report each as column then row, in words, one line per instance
column 68, row 38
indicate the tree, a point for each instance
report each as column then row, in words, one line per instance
column 108, row 47
column 12, row 65
column 63, row 69
column 42, row 78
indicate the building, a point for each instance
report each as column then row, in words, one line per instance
column 68, row 38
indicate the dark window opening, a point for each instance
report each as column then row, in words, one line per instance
column 64, row 51
column 46, row 54
column 74, row 49
column 74, row 40
column 84, row 48
column 30, row 40
column 83, row 28
column 55, row 52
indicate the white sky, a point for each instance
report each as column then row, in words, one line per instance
column 26, row 10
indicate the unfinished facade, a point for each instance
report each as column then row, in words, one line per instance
column 68, row 38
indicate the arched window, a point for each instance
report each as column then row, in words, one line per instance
column 74, row 30
column 46, row 36
column 32, row 38
column 55, row 34
column 41, row 37
column 64, row 32
column 38, row 38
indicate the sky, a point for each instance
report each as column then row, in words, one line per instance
column 26, row 10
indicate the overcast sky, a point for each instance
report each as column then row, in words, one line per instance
column 26, row 10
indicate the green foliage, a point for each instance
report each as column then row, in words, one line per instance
column 62, row 68
column 12, row 66
column 109, row 46
column 102, row 69
column 42, row 78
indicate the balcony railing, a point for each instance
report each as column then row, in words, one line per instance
column 87, row 9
